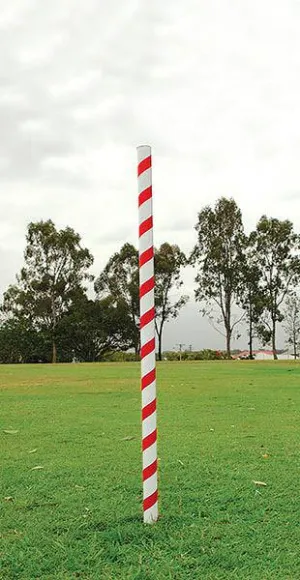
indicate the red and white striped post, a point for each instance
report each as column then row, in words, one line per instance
column 147, row 333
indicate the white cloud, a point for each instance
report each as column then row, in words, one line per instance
column 213, row 86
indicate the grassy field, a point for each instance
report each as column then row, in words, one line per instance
column 222, row 426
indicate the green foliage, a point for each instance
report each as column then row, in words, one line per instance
column 205, row 354
column 169, row 260
column 221, row 427
column 47, row 316
column 219, row 255
column 56, row 268
column 120, row 280
column 276, row 247
column 92, row 328
column 86, row 332
column 121, row 357
column 22, row 343
column 251, row 297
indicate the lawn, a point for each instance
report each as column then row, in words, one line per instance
column 70, row 494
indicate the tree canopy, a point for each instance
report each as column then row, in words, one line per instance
column 49, row 314
column 219, row 258
column 276, row 248
column 55, row 270
column 120, row 280
column 169, row 260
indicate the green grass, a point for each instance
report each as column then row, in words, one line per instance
column 80, row 516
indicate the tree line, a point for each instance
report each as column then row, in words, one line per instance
column 48, row 316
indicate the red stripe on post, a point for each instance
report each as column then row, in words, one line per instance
column 146, row 256
column 148, row 379
column 149, row 440
column 147, row 287
column 144, row 165
column 149, row 410
column 147, row 332
column 150, row 501
column 145, row 195
column 150, row 470
column 148, row 347
column 147, row 317
column 146, row 226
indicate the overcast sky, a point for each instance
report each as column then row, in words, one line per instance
column 213, row 86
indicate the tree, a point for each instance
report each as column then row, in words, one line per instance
column 292, row 323
column 120, row 280
column 219, row 257
column 250, row 296
column 169, row 260
column 276, row 246
column 21, row 343
column 91, row 328
column 56, row 267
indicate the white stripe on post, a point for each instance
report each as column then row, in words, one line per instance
column 147, row 333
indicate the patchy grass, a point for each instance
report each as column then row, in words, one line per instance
column 221, row 427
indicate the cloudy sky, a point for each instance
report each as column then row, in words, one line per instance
column 213, row 86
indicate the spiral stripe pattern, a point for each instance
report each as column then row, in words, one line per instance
column 147, row 331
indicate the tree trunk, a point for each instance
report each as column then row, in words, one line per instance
column 251, row 342
column 274, row 341
column 159, row 336
column 295, row 346
column 228, row 342
column 54, row 351
column 227, row 320
column 250, row 334
column 159, row 333
column 137, row 344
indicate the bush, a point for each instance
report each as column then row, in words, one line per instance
column 205, row 354
column 119, row 356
